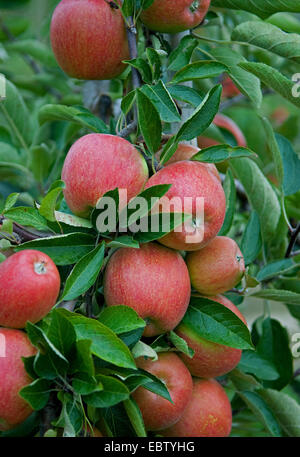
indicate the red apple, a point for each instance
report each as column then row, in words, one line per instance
column 229, row 88
column 217, row 267
column 159, row 413
column 97, row 163
column 14, row 344
column 195, row 181
column 186, row 152
column 223, row 122
column 208, row 413
column 89, row 39
column 30, row 285
column 210, row 359
column 175, row 16
column 154, row 281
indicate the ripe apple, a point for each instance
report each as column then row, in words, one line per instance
column 174, row 16
column 30, row 285
column 217, row 267
column 195, row 181
column 97, row 163
column 208, row 414
column 159, row 413
column 14, row 344
column 153, row 280
column 89, row 39
column 186, row 152
column 223, row 122
column 229, row 88
column 210, row 359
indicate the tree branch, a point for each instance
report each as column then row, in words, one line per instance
column 293, row 241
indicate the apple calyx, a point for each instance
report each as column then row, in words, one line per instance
column 40, row 268
column 194, row 6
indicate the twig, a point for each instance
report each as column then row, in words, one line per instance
column 293, row 241
column 126, row 131
column 133, row 51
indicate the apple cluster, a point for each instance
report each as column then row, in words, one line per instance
column 157, row 279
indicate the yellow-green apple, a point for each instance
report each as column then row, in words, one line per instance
column 97, row 163
column 210, row 359
column 89, row 39
column 174, row 16
column 186, row 152
column 159, row 413
column 208, row 414
column 14, row 344
column 153, row 280
column 199, row 193
column 30, row 285
column 217, row 267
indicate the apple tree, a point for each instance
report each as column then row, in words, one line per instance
column 104, row 322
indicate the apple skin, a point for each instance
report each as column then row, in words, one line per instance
column 159, row 413
column 31, row 287
column 97, row 163
column 223, row 122
column 89, row 39
column 208, row 414
column 216, row 268
column 154, row 281
column 210, row 359
column 174, row 16
column 193, row 179
column 230, row 90
column 186, row 152
column 13, row 408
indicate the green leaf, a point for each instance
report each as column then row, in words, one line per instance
column 158, row 225
column 114, row 391
column 230, row 193
column 63, row 249
column 251, row 243
column 253, row 363
column 274, row 79
column 142, row 349
column 262, row 8
column 199, row 70
column 121, row 319
column 162, row 101
column 185, row 94
column 145, row 201
column 149, row 122
column 37, row 393
column 84, row 274
column 124, row 241
column 202, row 116
column 155, row 63
column 29, row 217
column 181, row 345
column 260, row 193
column 105, row 344
column 285, row 409
column 10, row 201
column 61, row 332
column 248, row 84
column 269, row 37
column 135, row 417
column 279, row 267
column 49, row 202
column 273, row 345
column 17, row 116
column 84, row 384
column 291, row 165
column 274, row 148
column 211, row 321
column 34, row 48
column 181, row 55
column 78, row 115
column 219, row 153
column 285, row 296
column 259, row 407
column 143, row 68
column 101, row 210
